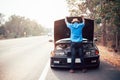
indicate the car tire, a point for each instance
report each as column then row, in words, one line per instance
column 98, row 65
column 51, row 64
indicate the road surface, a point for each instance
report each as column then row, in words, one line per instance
column 28, row 59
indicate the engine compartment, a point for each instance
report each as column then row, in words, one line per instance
column 87, row 48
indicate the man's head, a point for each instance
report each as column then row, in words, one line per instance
column 75, row 20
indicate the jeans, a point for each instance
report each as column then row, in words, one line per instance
column 77, row 46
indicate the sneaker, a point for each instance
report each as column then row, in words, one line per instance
column 84, row 70
column 72, row 71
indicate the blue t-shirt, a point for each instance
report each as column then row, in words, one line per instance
column 76, row 31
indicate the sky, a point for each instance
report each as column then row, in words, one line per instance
column 45, row 12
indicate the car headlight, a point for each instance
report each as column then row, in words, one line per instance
column 87, row 53
column 92, row 52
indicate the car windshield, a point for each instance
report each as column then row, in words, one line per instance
column 67, row 40
column 65, row 43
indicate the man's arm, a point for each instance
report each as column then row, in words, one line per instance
column 66, row 20
column 83, row 19
column 67, row 23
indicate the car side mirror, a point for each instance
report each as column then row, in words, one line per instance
column 50, row 40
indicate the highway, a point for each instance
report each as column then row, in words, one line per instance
column 28, row 59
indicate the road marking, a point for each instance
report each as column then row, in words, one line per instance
column 45, row 71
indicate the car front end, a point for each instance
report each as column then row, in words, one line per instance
column 61, row 55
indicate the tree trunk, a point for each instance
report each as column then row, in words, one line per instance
column 116, row 42
column 104, row 33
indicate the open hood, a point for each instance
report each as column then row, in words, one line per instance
column 61, row 31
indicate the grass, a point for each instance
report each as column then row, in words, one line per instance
column 109, row 56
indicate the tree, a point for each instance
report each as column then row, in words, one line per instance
column 2, row 29
column 110, row 12
column 105, row 12
column 18, row 26
column 1, row 18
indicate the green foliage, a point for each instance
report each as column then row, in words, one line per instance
column 106, row 12
column 98, row 21
column 2, row 30
column 117, row 21
column 1, row 18
column 18, row 26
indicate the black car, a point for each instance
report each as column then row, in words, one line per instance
column 61, row 55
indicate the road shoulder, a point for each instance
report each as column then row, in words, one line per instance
column 109, row 56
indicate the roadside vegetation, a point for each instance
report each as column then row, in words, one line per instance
column 109, row 56
column 19, row 26
column 106, row 14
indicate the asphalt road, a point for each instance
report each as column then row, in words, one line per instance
column 28, row 59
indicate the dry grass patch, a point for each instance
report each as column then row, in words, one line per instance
column 109, row 56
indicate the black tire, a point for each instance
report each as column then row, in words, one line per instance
column 51, row 64
column 98, row 65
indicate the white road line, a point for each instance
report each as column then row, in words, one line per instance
column 45, row 71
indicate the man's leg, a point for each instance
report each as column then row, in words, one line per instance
column 82, row 59
column 73, row 57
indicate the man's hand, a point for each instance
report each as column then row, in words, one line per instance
column 82, row 16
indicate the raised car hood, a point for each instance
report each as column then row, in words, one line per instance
column 61, row 31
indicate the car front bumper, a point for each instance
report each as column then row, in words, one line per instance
column 65, row 62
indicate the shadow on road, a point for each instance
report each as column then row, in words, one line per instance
column 104, row 72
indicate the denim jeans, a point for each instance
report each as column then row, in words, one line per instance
column 77, row 46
